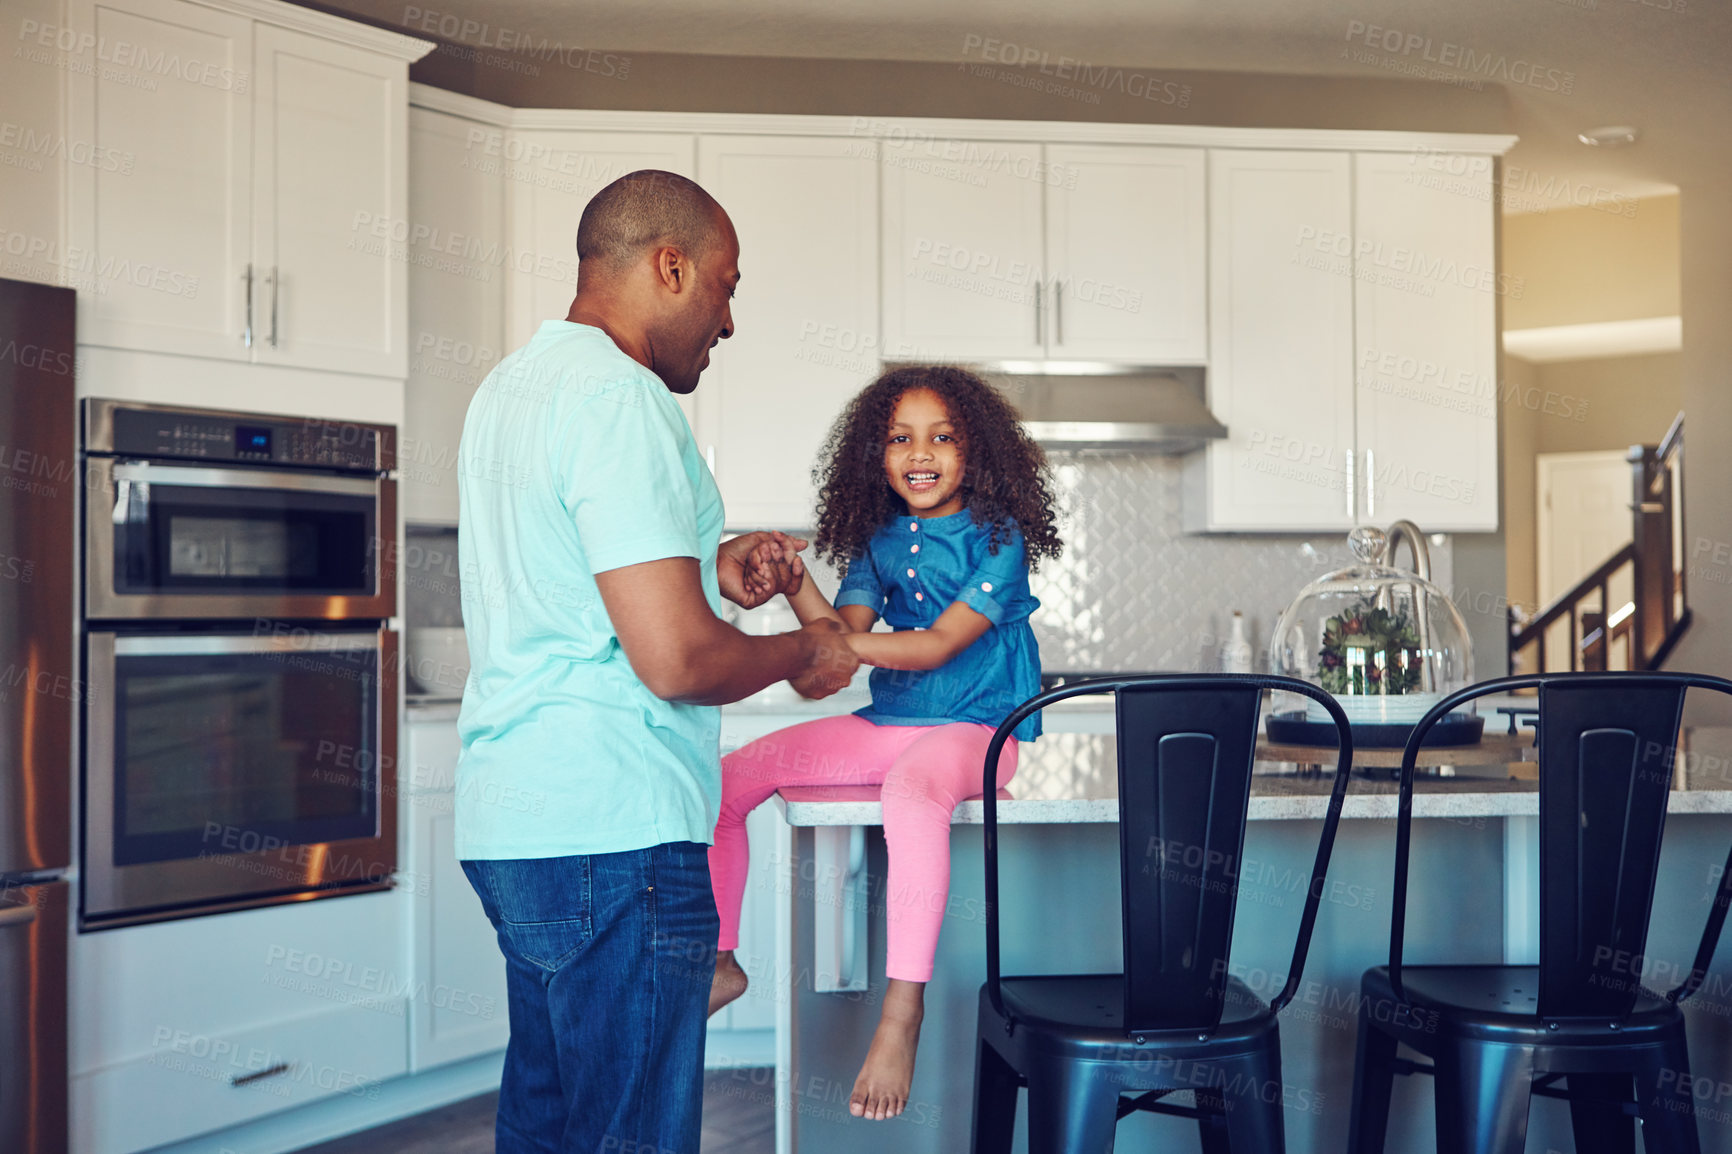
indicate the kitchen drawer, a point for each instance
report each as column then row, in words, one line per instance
column 192, row 1083
column 227, row 974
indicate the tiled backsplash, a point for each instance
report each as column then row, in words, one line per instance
column 429, row 575
column 1133, row 590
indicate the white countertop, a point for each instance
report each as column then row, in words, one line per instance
column 1067, row 778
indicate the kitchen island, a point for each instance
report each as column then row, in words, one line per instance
column 1471, row 899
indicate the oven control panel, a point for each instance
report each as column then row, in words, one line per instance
column 222, row 437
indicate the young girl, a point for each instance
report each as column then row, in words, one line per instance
column 937, row 505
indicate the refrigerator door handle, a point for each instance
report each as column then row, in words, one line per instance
column 13, row 916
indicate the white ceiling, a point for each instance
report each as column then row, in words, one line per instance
column 1662, row 65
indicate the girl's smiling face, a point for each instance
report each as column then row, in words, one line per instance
column 923, row 455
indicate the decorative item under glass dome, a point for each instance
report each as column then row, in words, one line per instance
column 1386, row 642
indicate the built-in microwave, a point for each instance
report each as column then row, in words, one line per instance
column 233, row 769
column 195, row 514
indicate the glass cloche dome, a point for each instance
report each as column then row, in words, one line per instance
column 1386, row 642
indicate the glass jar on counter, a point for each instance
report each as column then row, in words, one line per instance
column 1385, row 642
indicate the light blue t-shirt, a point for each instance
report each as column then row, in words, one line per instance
column 575, row 459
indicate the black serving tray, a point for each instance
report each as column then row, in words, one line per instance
column 1292, row 728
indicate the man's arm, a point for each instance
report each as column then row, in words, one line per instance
column 683, row 652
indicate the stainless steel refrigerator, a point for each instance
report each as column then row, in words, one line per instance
column 39, row 696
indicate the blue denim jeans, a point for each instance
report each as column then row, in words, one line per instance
column 608, row 961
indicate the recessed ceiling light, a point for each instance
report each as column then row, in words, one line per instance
column 1611, row 136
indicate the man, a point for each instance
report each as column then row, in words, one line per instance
column 590, row 777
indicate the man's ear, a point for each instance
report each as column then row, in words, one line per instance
column 673, row 269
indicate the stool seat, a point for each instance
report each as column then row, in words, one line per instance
column 1085, row 1013
column 1501, row 1004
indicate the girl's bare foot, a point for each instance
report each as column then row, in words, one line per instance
column 881, row 1090
column 729, row 982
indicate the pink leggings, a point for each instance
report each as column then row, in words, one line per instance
column 925, row 771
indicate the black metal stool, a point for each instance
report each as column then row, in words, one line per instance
column 1173, row 1019
column 1498, row 1034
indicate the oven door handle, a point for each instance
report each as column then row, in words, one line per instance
column 209, row 478
column 288, row 640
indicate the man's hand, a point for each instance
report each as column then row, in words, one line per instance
column 754, row 567
column 832, row 666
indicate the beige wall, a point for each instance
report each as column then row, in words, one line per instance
column 1622, row 401
column 1707, row 298
column 1583, row 265
column 1520, row 441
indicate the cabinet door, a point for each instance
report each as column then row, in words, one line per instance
column 456, row 306
column 1426, row 339
column 160, row 218
column 457, row 1007
column 806, row 315
column 963, row 238
column 1280, row 341
column 330, row 183
column 1126, row 248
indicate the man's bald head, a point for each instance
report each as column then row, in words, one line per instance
column 642, row 210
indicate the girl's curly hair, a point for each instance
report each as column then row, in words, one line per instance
column 1005, row 478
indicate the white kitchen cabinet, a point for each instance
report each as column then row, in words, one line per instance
column 1126, row 235
column 456, row 305
column 1353, row 343
column 805, row 327
column 457, row 974
column 255, row 150
column 184, row 1027
column 161, row 238
column 1280, row 345
column 330, row 156
column 1425, row 336
column 963, row 246
column 550, row 176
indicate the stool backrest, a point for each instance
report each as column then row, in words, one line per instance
column 1607, row 743
column 1186, row 747
column 1605, row 768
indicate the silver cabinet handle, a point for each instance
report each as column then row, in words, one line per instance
column 276, row 287
column 17, row 916
column 1370, row 483
column 1039, row 318
column 1058, row 310
column 142, row 475
column 247, row 332
column 1350, row 480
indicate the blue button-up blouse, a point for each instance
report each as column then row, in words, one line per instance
column 912, row 570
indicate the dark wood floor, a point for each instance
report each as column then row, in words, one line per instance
column 739, row 1118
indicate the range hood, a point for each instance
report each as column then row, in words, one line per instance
column 1115, row 408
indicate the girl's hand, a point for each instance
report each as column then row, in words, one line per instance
column 754, row 567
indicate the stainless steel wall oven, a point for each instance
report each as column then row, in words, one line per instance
column 241, row 719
